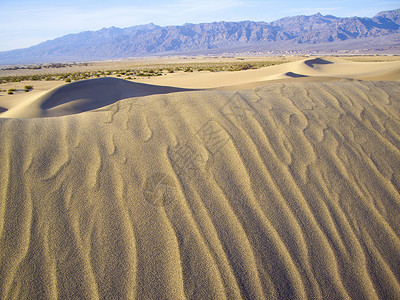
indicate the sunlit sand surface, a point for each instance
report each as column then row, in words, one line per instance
column 281, row 184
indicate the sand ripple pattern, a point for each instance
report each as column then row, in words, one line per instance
column 288, row 191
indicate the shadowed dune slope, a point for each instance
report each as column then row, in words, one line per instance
column 82, row 96
column 287, row 191
column 317, row 61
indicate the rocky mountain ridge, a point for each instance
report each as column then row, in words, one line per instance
column 150, row 39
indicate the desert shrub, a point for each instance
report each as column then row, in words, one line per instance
column 244, row 67
column 68, row 80
column 28, row 87
column 10, row 93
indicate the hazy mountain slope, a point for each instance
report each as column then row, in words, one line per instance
column 152, row 39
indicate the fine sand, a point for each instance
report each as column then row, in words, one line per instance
column 288, row 190
column 317, row 69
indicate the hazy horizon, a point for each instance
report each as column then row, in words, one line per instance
column 26, row 23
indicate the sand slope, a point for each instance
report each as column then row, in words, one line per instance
column 310, row 69
column 51, row 99
column 288, row 191
column 82, row 96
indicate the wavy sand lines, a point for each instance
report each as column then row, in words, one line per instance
column 286, row 191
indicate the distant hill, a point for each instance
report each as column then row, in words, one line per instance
column 299, row 32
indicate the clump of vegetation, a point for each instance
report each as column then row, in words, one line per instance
column 28, row 88
column 244, row 67
column 35, row 78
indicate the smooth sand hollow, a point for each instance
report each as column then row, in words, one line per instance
column 290, row 190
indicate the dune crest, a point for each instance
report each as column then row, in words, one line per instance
column 83, row 96
column 287, row 191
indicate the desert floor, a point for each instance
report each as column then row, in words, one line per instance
column 280, row 182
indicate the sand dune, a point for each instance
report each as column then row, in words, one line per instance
column 91, row 94
column 315, row 69
column 82, row 96
column 287, row 191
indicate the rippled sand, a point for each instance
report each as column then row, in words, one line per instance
column 290, row 190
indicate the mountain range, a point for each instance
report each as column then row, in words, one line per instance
column 302, row 33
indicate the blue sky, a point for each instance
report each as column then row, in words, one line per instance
column 24, row 23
